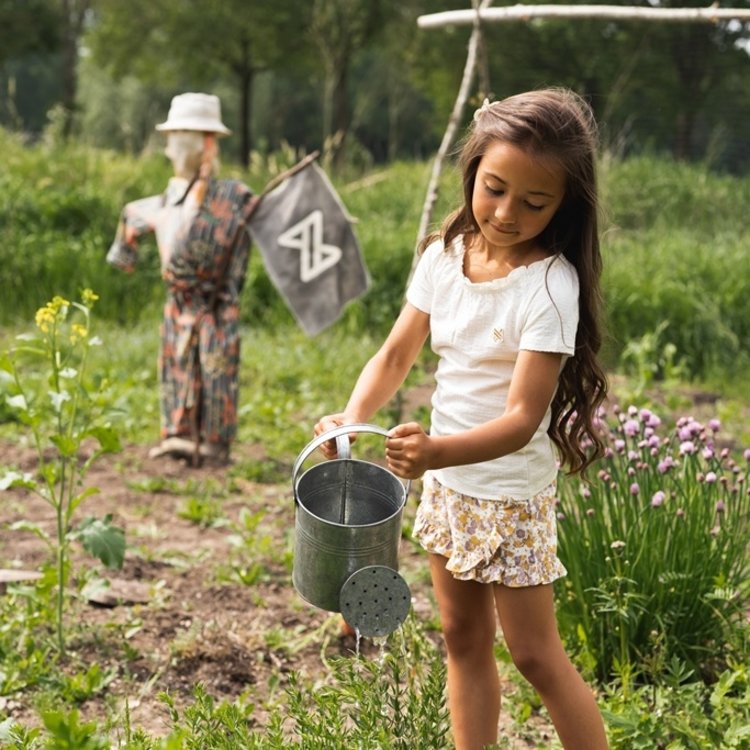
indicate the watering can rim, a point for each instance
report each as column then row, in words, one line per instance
column 337, row 432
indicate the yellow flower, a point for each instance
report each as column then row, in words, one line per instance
column 55, row 310
column 88, row 297
column 78, row 332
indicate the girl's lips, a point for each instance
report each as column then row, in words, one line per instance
column 502, row 230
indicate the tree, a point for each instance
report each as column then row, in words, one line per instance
column 340, row 28
column 200, row 42
column 27, row 28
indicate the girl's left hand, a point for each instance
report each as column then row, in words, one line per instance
column 408, row 450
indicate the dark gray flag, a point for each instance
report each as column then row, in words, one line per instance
column 309, row 248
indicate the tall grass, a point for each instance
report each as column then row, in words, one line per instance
column 675, row 245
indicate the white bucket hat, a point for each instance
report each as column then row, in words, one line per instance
column 201, row 112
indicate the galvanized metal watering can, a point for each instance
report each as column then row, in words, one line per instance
column 347, row 531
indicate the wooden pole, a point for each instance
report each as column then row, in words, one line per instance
column 450, row 132
column 712, row 14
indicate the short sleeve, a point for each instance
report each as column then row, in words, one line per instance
column 421, row 288
column 551, row 320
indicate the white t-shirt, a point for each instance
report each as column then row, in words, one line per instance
column 477, row 331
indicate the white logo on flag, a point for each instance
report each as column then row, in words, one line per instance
column 307, row 237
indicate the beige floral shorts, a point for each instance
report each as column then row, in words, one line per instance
column 507, row 541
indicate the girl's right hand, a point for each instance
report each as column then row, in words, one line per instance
column 328, row 449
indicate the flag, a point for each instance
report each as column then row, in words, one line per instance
column 309, row 248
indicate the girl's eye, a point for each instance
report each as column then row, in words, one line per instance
column 534, row 207
column 493, row 191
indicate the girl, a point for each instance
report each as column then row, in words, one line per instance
column 508, row 291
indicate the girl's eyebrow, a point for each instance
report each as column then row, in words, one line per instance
column 530, row 192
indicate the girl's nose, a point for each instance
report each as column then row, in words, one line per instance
column 505, row 213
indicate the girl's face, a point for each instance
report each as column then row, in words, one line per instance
column 515, row 196
column 184, row 149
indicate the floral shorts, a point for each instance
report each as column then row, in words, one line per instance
column 507, row 541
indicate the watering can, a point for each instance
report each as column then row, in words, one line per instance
column 347, row 531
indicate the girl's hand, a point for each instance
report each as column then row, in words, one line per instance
column 408, row 450
column 328, row 449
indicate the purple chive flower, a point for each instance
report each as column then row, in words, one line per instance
column 585, row 491
column 665, row 465
column 590, row 512
column 658, row 499
column 747, row 454
column 634, row 488
column 684, row 433
column 687, row 447
column 631, row 427
column 631, row 471
column 711, row 477
column 619, row 445
column 720, row 507
column 708, row 453
column 653, row 441
column 632, row 410
column 633, row 455
column 724, row 453
column 653, row 421
column 714, row 425
column 680, row 513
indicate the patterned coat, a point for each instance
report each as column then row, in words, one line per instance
column 204, row 246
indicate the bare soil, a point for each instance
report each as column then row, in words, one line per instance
column 178, row 613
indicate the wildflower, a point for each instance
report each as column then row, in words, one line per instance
column 631, row 427
column 590, row 512
column 617, row 544
column 714, row 425
column 700, row 477
column 715, row 531
column 561, row 516
column 78, row 332
column 56, row 309
column 619, row 445
column 632, row 410
column 657, row 499
column 665, row 465
column 724, row 453
column 680, row 513
column 585, row 490
column 631, row 471
column 747, row 454
column 708, row 453
column 711, row 477
column 88, row 298
column 634, row 488
column 720, row 507
column 687, row 447
column 633, row 455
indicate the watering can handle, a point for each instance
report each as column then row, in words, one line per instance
column 339, row 434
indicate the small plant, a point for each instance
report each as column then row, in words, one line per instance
column 64, row 411
column 656, row 550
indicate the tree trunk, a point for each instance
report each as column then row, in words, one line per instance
column 74, row 13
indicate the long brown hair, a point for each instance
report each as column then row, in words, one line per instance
column 555, row 124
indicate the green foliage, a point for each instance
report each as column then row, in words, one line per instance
column 678, row 714
column 656, row 550
column 63, row 408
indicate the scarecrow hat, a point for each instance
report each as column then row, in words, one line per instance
column 201, row 112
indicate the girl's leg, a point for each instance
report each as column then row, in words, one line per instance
column 527, row 617
column 467, row 613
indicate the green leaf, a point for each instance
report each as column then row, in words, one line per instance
column 80, row 497
column 17, row 402
column 16, row 479
column 102, row 540
column 30, row 527
column 66, row 445
column 107, row 437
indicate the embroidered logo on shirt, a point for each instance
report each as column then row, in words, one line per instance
column 498, row 335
